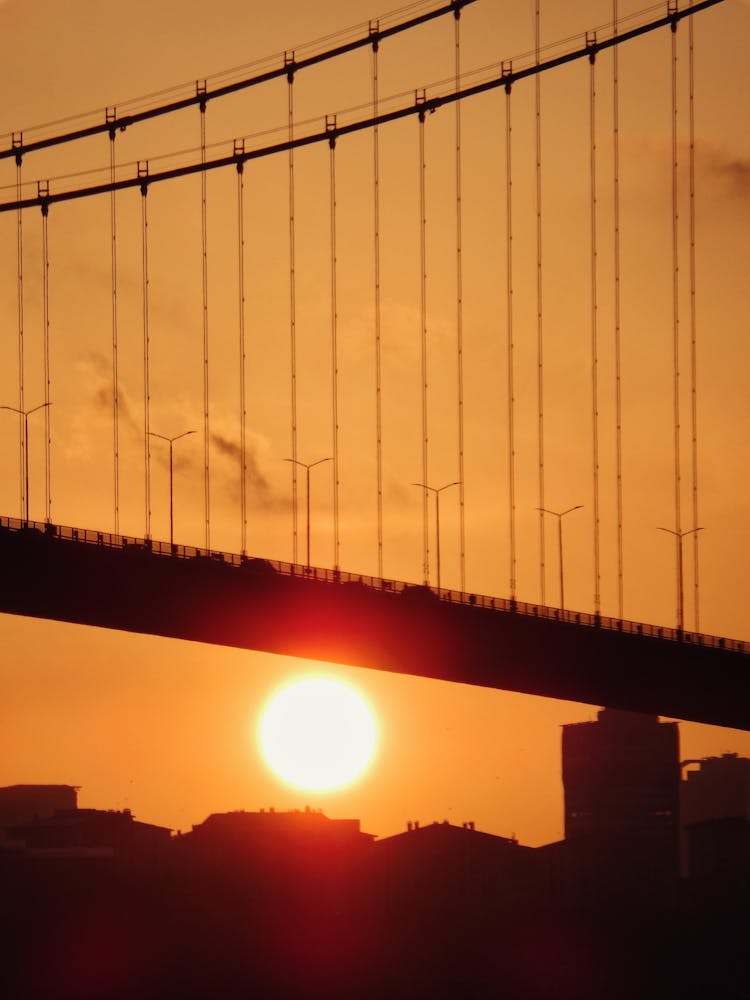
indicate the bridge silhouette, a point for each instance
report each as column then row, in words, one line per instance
column 137, row 585
column 245, row 599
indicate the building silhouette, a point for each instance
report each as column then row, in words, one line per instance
column 621, row 780
column 715, row 811
column 26, row 803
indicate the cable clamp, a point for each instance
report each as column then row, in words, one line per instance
column 42, row 193
column 420, row 101
column 239, row 152
column 506, row 74
column 331, row 130
column 373, row 33
column 289, row 66
column 110, row 118
column 143, row 176
column 17, row 144
column 591, row 46
column 201, row 92
column 672, row 12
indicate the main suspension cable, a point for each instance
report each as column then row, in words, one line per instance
column 378, row 368
column 460, row 312
column 128, row 120
column 539, row 314
column 618, row 339
column 201, row 88
column 143, row 171
column 115, row 359
column 292, row 303
column 47, row 379
column 243, row 403
column 433, row 103
column 594, row 331
column 693, row 336
column 423, row 352
column 510, row 360
column 334, row 350
column 17, row 141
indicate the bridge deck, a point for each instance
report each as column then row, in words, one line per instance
column 113, row 581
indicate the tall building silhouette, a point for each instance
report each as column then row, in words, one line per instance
column 621, row 777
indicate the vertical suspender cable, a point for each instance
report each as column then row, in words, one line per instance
column 539, row 325
column 460, row 311
column 378, row 372
column 693, row 335
column 243, row 406
column 146, row 360
column 376, row 249
column 18, row 141
column 204, row 262
column 115, row 378
column 594, row 332
column 423, row 318
column 676, row 327
column 47, row 380
column 292, row 307
column 334, row 353
column 509, row 314
column 618, row 340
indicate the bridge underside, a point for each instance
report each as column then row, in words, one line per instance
column 253, row 607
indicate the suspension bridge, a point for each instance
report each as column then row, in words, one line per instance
column 373, row 303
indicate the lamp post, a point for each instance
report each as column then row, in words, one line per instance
column 170, row 441
column 26, row 414
column 437, row 491
column 307, row 466
column 679, row 535
column 560, row 515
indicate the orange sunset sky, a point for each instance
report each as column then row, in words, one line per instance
column 168, row 728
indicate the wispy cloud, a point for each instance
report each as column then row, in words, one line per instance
column 731, row 171
column 260, row 491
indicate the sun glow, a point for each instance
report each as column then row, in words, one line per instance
column 317, row 734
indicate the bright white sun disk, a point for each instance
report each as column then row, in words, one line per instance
column 317, row 734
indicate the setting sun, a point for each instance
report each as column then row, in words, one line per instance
column 317, row 734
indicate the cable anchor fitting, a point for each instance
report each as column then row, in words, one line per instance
column 201, row 92
column 42, row 193
column 239, row 153
column 591, row 46
column 110, row 118
column 331, row 130
column 143, row 176
column 17, row 144
column 373, row 32
column 506, row 74
column 290, row 66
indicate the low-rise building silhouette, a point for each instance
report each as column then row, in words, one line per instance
column 91, row 833
column 440, row 867
column 26, row 803
column 715, row 812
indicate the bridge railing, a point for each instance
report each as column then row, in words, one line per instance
column 419, row 592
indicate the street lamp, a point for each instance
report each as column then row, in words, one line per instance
column 26, row 414
column 437, row 491
column 170, row 441
column 560, row 515
column 307, row 466
column 679, row 535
